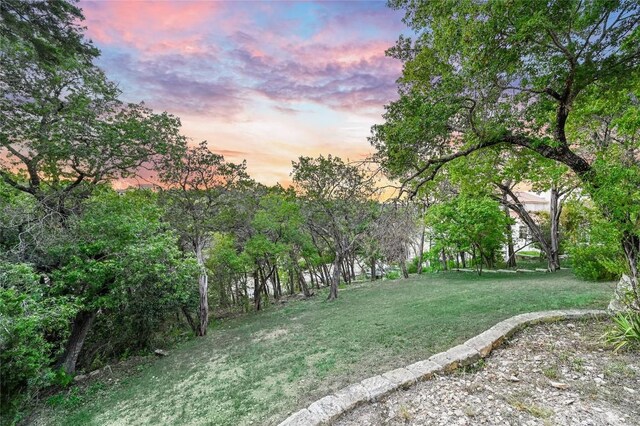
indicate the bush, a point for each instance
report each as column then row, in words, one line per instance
column 596, row 263
column 412, row 267
column 27, row 322
column 626, row 331
column 594, row 247
column 392, row 275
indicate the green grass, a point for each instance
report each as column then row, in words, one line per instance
column 263, row 366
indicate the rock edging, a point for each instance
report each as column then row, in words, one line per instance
column 328, row 409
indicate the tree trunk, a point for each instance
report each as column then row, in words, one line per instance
column 203, row 287
column 303, row 285
column 373, row 269
column 445, row 267
column 631, row 247
column 345, row 271
column 511, row 254
column 333, row 291
column 81, row 325
column 524, row 215
column 257, row 289
column 292, row 283
column 403, row 266
column 352, row 267
column 420, row 254
column 312, row 277
column 275, row 280
column 555, row 209
column 326, row 277
column 463, row 258
column 189, row 318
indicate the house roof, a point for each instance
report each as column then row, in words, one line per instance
column 529, row 198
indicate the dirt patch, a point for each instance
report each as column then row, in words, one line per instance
column 546, row 375
column 271, row 335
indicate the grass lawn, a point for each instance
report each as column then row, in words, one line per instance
column 259, row 368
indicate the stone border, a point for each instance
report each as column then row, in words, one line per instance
column 326, row 410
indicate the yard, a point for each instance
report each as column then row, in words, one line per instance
column 259, row 368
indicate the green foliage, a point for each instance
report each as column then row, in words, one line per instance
column 468, row 224
column 28, row 320
column 593, row 244
column 122, row 260
column 594, row 263
column 71, row 399
column 48, row 30
column 120, row 243
column 559, row 79
column 625, row 333
column 412, row 267
column 392, row 274
column 61, row 378
column 226, row 264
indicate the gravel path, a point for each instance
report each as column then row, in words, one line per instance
column 552, row 374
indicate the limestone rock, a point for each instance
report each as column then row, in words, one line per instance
column 401, row 377
column 559, row 385
column 351, row 396
column 302, row 418
column 327, row 408
column 455, row 357
column 377, row 387
column 617, row 304
column 424, row 370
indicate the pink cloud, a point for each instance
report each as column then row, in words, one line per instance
column 348, row 76
column 260, row 83
column 149, row 26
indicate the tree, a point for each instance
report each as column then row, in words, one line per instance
column 48, row 30
column 395, row 228
column 196, row 186
column 498, row 173
column 337, row 200
column 117, row 254
column 229, row 265
column 63, row 134
column 469, row 224
column 63, row 130
column 521, row 74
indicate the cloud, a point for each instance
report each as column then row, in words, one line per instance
column 148, row 26
column 266, row 81
column 350, row 77
column 176, row 83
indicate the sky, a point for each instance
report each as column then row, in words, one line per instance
column 261, row 81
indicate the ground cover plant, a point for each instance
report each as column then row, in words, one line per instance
column 258, row 368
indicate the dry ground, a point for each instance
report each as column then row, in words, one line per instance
column 556, row 374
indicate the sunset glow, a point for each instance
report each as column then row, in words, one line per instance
column 261, row 81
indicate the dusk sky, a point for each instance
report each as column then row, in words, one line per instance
column 261, row 81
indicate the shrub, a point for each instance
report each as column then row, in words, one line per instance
column 594, row 248
column 392, row 275
column 412, row 267
column 626, row 331
column 27, row 321
column 595, row 263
